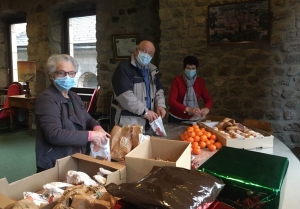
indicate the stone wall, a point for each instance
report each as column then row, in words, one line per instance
column 258, row 80
column 255, row 81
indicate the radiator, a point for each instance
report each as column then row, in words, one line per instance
column 2, row 99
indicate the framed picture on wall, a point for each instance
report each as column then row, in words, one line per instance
column 242, row 22
column 123, row 44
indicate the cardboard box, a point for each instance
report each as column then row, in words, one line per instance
column 77, row 162
column 140, row 161
column 249, row 177
column 264, row 140
column 4, row 201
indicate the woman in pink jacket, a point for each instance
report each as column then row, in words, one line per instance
column 186, row 90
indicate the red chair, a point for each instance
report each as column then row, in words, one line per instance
column 93, row 102
column 14, row 89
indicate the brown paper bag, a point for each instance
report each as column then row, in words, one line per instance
column 84, row 201
column 136, row 130
column 121, row 143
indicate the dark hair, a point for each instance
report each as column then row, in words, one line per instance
column 190, row 60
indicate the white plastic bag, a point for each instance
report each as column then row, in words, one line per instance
column 103, row 151
column 158, row 127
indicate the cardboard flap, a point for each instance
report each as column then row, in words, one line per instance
column 32, row 183
column 4, row 201
column 98, row 161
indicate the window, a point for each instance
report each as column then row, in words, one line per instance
column 80, row 42
column 18, row 45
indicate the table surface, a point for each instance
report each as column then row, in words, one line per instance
column 289, row 197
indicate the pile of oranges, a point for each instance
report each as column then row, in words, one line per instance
column 200, row 139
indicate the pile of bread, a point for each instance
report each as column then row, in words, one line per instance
column 230, row 128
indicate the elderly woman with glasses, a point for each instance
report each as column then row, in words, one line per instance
column 186, row 91
column 63, row 125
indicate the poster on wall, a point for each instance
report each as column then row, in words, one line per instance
column 243, row 22
column 123, row 45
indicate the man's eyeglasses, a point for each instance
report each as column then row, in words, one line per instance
column 64, row 74
column 145, row 51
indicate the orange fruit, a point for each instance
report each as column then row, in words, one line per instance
column 196, row 138
column 202, row 144
column 208, row 143
column 212, row 141
column 212, row 147
column 199, row 133
column 195, row 126
column 190, row 139
column 191, row 134
column 203, row 138
column 202, row 129
column 208, row 134
column 213, row 137
column 196, row 151
column 195, row 144
column 190, row 128
column 218, row 145
column 196, row 129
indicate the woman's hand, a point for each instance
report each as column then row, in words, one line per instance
column 193, row 110
column 100, row 137
column 204, row 111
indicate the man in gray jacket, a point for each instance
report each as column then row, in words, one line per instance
column 138, row 93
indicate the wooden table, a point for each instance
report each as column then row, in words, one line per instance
column 22, row 102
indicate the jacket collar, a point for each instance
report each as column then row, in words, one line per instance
column 77, row 108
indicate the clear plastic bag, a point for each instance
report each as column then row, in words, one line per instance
column 158, row 127
column 170, row 187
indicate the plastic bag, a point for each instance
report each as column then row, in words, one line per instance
column 103, row 151
column 170, row 187
column 158, row 127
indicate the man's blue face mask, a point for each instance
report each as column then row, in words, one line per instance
column 64, row 83
column 143, row 58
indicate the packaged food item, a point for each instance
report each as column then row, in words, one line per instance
column 158, row 127
column 170, row 187
column 102, row 150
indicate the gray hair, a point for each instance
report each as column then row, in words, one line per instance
column 56, row 58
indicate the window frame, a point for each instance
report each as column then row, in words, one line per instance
column 10, row 22
column 72, row 14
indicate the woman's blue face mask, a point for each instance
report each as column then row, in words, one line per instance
column 190, row 73
column 64, row 83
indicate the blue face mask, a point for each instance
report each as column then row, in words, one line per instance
column 65, row 83
column 143, row 58
column 190, row 73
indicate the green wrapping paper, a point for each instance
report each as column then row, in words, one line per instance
column 252, row 179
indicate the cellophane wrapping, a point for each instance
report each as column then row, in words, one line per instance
column 253, row 179
column 170, row 187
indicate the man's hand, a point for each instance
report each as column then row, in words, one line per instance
column 151, row 116
column 161, row 112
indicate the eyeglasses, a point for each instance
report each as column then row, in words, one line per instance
column 64, row 74
column 145, row 51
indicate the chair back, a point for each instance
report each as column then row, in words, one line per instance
column 93, row 102
column 14, row 89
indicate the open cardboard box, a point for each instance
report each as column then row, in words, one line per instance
column 265, row 140
column 140, row 161
column 77, row 162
